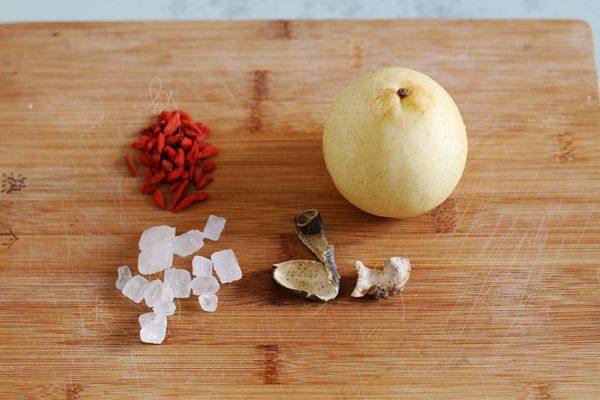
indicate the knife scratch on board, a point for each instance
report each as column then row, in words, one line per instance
column 8, row 238
column 12, row 183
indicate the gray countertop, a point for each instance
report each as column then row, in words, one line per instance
column 75, row 10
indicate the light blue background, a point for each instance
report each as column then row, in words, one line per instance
column 75, row 10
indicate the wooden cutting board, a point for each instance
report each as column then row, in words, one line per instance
column 504, row 297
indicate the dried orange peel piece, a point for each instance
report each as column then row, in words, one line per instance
column 308, row 278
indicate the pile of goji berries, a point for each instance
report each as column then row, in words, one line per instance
column 174, row 151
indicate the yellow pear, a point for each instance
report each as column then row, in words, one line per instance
column 394, row 143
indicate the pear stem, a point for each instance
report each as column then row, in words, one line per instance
column 403, row 92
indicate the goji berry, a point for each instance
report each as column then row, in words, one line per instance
column 164, row 116
column 172, row 150
column 190, row 129
column 174, row 186
column 186, row 143
column 203, row 128
column 160, row 143
column 145, row 159
column 141, row 142
column 197, row 175
column 178, row 193
column 175, row 174
column 188, row 201
column 207, row 152
column 172, row 124
column 172, row 140
column 171, row 153
column 159, row 199
column 204, row 182
column 166, row 165
column 150, row 144
column 147, row 173
column 180, row 158
column 131, row 165
column 153, row 182
column 192, row 153
column 209, row 167
column 184, row 115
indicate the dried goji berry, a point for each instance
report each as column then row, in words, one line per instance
column 160, row 143
column 171, row 153
column 172, row 150
column 150, row 144
column 141, row 142
column 172, row 140
column 191, row 129
column 197, row 175
column 186, row 143
column 153, row 182
column 145, row 159
column 147, row 173
column 159, row 199
column 207, row 152
column 192, row 153
column 164, row 116
column 203, row 128
column 172, row 124
column 174, row 186
column 175, row 174
column 209, row 167
column 131, row 165
column 166, row 165
column 180, row 158
column 184, row 115
column 204, row 182
column 202, row 145
column 188, row 201
column 178, row 193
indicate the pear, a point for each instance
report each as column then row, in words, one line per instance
column 395, row 143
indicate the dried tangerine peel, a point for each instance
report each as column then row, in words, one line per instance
column 308, row 225
column 385, row 283
column 306, row 278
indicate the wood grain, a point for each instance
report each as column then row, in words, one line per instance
column 503, row 301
